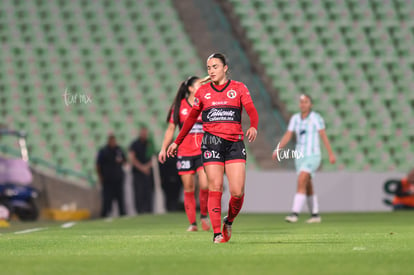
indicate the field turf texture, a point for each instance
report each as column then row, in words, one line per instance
column 344, row 243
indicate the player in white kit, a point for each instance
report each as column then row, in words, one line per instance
column 309, row 128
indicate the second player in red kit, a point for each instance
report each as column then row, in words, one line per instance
column 220, row 104
column 189, row 154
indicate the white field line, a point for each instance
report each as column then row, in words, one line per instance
column 30, row 230
column 68, row 224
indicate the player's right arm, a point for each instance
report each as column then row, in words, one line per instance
column 286, row 137
column 188, row 124
column 168, row 136
column 283, row 142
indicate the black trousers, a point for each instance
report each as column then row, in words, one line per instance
column 171, row 184
column 172, row 190
column 144, row 192
column 113, row 190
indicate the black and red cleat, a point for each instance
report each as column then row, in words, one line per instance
column 226, row 229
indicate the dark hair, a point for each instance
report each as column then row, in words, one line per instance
column 181, row 94
column 308, row 96
column 220, row 56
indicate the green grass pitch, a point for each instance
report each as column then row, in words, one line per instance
column 344, row 243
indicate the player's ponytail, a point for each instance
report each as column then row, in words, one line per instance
column 182, row 93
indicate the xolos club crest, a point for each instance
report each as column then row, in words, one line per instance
column 231, row 94
column 211, row 154
column 207, row 155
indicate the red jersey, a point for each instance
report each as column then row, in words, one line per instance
column 222, row 107
column 191, row 145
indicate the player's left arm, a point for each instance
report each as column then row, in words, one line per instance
column 320, row 127
column 247, row 102
column 325, row 140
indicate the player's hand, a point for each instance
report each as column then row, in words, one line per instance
column 162, row 156
column 274, row 155
column 251, row 134
column 172, row 150
column 146, row 170
column 205, row 80
column 332, row 158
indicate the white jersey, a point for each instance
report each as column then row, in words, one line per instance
column 307, row 133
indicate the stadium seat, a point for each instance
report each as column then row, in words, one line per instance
column 359, row 54
column 100, row 48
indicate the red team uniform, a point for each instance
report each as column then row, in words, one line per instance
column 189, row 152
column 221, row 110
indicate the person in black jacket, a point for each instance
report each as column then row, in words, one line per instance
column 140, row 153
column 109, row 166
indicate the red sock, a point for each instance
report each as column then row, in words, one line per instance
column 214, row 209
column 190, row 206
column 235, row 206
column 203, row 197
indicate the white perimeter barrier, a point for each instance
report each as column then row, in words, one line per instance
column 337, row 191
column 272, row 191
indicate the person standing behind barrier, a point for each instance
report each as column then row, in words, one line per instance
column 140, row 153
column 109, row 166
column 171, row 184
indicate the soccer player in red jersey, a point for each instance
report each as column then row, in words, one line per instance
column 220, row 102
column 189, row 154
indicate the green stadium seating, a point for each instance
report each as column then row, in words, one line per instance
column 122, row 53
column 355, row 58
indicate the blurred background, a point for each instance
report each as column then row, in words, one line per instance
column 73, row 71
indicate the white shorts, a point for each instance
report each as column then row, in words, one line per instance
column 308, row 164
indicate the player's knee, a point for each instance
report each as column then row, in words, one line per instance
column 204, row 186
column 203, row 183
column 189, row 188
column 237, row 194
column 302, row 186
column 188, row 183
column 304, row 178
column 214, row 185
